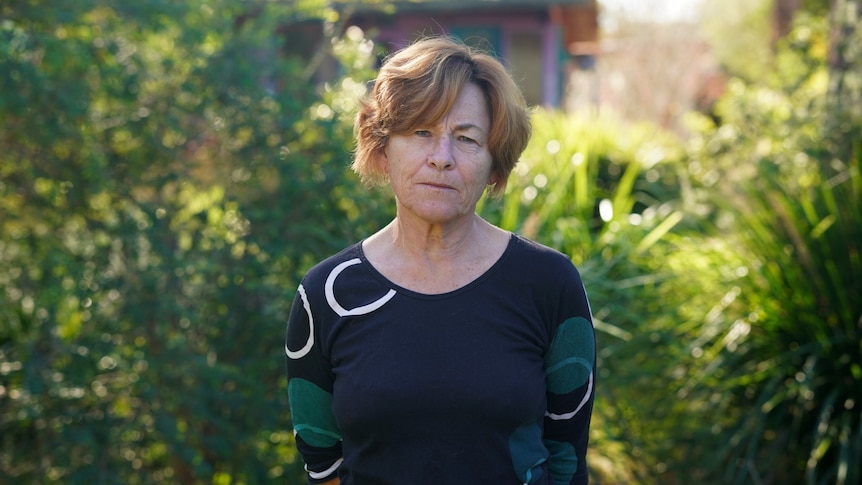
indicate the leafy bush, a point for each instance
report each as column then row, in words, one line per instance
column 163, row 184
column 788, row 196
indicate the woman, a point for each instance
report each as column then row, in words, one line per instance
column 442, row 349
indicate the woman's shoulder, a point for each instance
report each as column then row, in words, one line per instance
column 321, row 270
column 538, row 253
column 528, row 257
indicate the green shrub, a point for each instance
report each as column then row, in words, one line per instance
column 165, row 178
column 788, row 196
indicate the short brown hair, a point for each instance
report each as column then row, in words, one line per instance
column 419, row 84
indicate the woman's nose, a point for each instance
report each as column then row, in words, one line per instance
column 441, row 158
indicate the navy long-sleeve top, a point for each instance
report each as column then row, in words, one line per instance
column 490, row 383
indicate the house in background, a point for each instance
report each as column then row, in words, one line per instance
column 540, row 41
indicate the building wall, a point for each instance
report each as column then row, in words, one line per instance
column 527, row 41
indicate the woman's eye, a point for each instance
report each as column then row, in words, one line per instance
column 423, row 133
column 467, row 139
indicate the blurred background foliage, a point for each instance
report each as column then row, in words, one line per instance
column 169, row 170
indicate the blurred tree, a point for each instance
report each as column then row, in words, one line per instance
column 845, row 76
column 739, row 33
column 167, row 172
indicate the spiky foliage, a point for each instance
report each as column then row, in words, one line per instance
column 788, row 191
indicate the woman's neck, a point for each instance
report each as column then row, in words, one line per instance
column 433, row 259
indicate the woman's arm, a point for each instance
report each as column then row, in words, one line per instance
column 570, row 366
column 309, row 391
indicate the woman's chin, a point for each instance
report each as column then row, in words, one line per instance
column 440, row 213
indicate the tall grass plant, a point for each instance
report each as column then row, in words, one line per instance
column 786, row 186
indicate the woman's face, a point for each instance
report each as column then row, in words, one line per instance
column 439, row 171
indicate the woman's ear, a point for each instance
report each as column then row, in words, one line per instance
column 381, row 162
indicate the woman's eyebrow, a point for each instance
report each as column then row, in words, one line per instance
column 468, row 126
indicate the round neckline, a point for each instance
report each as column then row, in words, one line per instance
column 434, row 296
